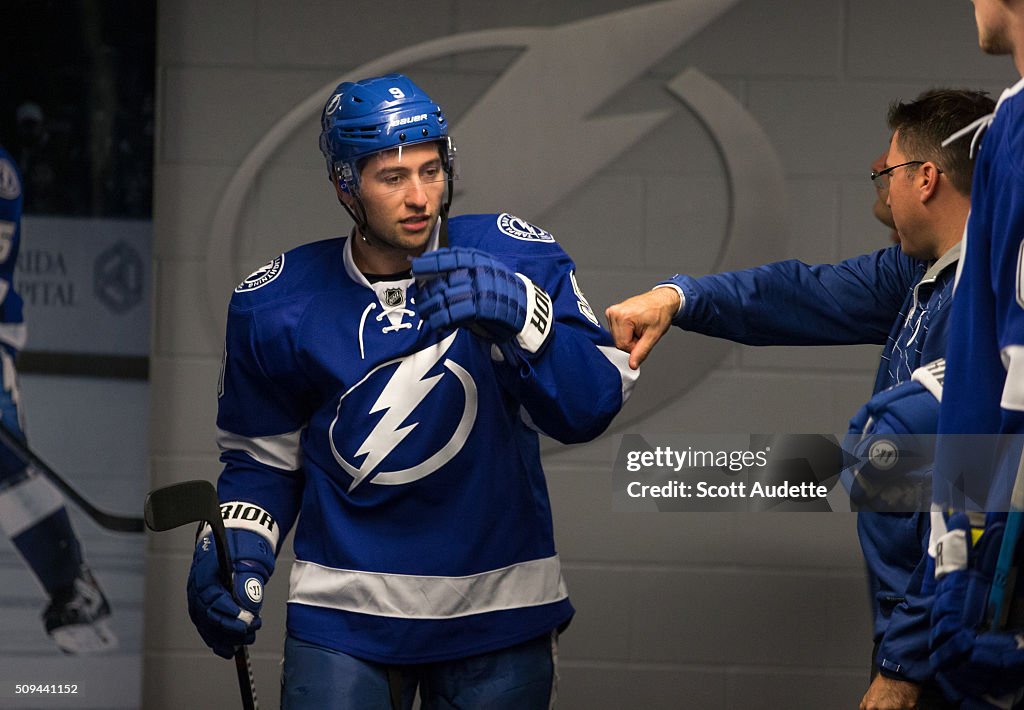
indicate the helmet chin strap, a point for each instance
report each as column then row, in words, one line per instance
column 358, row 214
column 442, row 233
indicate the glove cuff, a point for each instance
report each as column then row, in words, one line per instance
column 539, row 318
column 240, row 515
column 951, row 553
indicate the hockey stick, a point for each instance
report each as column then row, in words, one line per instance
column 196, row 501
column 110, row 521
column 1004, row 579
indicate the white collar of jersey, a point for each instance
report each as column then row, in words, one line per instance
column 356, row 275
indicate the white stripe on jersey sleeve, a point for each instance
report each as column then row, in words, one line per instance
column 621, row 361
column 1013, row 388
column 280, row 451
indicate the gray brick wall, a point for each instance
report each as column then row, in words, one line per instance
column 716, row 611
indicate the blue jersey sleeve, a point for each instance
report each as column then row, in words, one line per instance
column 792, row 303
column 903, row 650
column 1002, row 217
column 261, row 413
column 11, row 201
column 984, row 393
column 579, row 382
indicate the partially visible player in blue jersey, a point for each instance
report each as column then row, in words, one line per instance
column 978, row 633
column 32, row 512
column 388, row 391
column 897, row 297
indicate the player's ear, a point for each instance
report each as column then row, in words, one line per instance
column 928, row 176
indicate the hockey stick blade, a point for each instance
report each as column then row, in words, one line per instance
column 179, row 504
column 110, row 521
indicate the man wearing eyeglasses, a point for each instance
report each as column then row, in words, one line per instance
column 896, row 297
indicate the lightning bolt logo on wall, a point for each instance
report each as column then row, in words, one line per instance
column 406, row 388
column 561, row 160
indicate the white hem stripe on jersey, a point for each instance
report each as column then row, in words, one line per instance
column 403, row 596
column 25, row 503
column 282, row 451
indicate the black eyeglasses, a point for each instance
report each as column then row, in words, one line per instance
column 881, row 178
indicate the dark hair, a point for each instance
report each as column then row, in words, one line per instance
column 932, row 118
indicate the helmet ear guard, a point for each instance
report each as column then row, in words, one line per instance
column 340, row 174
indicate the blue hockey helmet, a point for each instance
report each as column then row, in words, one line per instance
column 375, row 115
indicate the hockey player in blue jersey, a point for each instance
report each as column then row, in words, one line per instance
column 388, row 391
column 978, row 629
column 897, row 297
column 32, row 512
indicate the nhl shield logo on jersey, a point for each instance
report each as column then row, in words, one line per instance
column 10, row 186
column 262, row 276
column 393, row 297
column 418, row 412
column 517, row 228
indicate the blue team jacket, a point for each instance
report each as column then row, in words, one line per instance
column 883, row 298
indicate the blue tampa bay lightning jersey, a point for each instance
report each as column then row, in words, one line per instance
column 410, row 457
column 12, row 328
column 984, row 388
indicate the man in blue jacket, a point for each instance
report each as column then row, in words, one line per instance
column 896, row 297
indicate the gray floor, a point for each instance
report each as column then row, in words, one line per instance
column 93, row 432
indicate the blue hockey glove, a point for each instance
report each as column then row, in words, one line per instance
column 469, row 288
column 227, row 618
column 892, row 439
column 984, row 667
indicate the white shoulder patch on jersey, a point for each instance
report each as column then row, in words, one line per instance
column 10, row 186
column 262, row 276
column 517, row 228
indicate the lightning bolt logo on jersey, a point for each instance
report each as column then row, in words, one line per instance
column 413, row 455
column 406, row 387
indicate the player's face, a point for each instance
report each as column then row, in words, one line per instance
column 993, row 34
column 402, row 193
column 904, row 203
